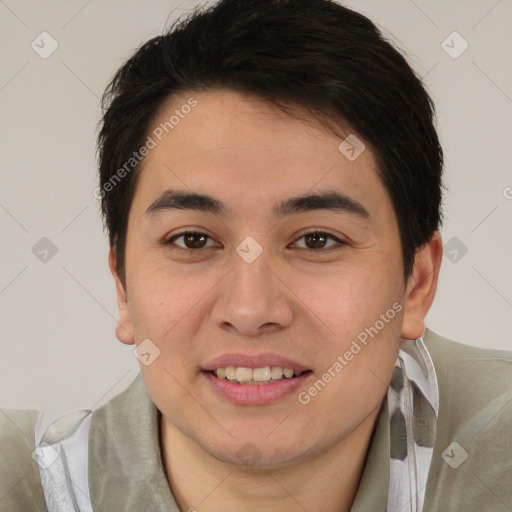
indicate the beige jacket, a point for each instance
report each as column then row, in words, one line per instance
column 126, row 471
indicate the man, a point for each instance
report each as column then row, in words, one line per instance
column 270, row 178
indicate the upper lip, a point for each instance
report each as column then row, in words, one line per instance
column 253, row 361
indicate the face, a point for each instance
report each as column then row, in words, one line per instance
column 267, row 282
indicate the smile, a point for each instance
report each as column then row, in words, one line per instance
column 246, row 389
column 255, row 376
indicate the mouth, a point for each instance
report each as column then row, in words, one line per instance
column 256, row 376
column 254, row 379
column 255, row 386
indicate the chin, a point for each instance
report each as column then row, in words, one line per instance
column 250, row 457
column 260, row 452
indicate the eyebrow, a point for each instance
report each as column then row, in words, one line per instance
column 327, row 200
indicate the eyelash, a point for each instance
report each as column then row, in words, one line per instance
column 171, row 240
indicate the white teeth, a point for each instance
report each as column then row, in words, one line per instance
column 262, row 375
column 288, row 373
column 276, row 372
column 230, row 373
column 244, row 374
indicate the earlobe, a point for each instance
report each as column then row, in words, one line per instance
column 421, row 287
column 124, row 328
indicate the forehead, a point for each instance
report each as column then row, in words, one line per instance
column 247, row 152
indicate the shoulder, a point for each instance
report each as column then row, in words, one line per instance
column 464, row 370
column 122, row 407
column 20, row 479
column 20, row 484
column 444, row 349
column 472, row 460
column 472, row 381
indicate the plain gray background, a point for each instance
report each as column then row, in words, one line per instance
column 58, row 347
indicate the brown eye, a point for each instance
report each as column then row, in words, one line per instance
column 318, row 240
column 191, row 240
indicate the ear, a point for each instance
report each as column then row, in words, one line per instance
column 124, row 328
column 421, row 287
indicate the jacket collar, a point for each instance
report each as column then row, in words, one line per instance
column 126, row 469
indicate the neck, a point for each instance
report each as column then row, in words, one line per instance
column 327, row 482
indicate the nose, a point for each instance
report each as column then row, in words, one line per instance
column 253, row 298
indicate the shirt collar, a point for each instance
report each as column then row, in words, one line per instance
column 372, row 494
column 126, row 470
column 126, row 464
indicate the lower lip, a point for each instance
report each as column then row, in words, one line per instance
column 255, row 394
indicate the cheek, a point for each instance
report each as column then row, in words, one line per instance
column 164, row 300
column 358, row 320
column 344, row 304
column 165, row 308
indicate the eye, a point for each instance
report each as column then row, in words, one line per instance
column 195, row 240
column 318, row 239
column 191, row 240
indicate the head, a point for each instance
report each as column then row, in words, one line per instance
column 300, row 148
